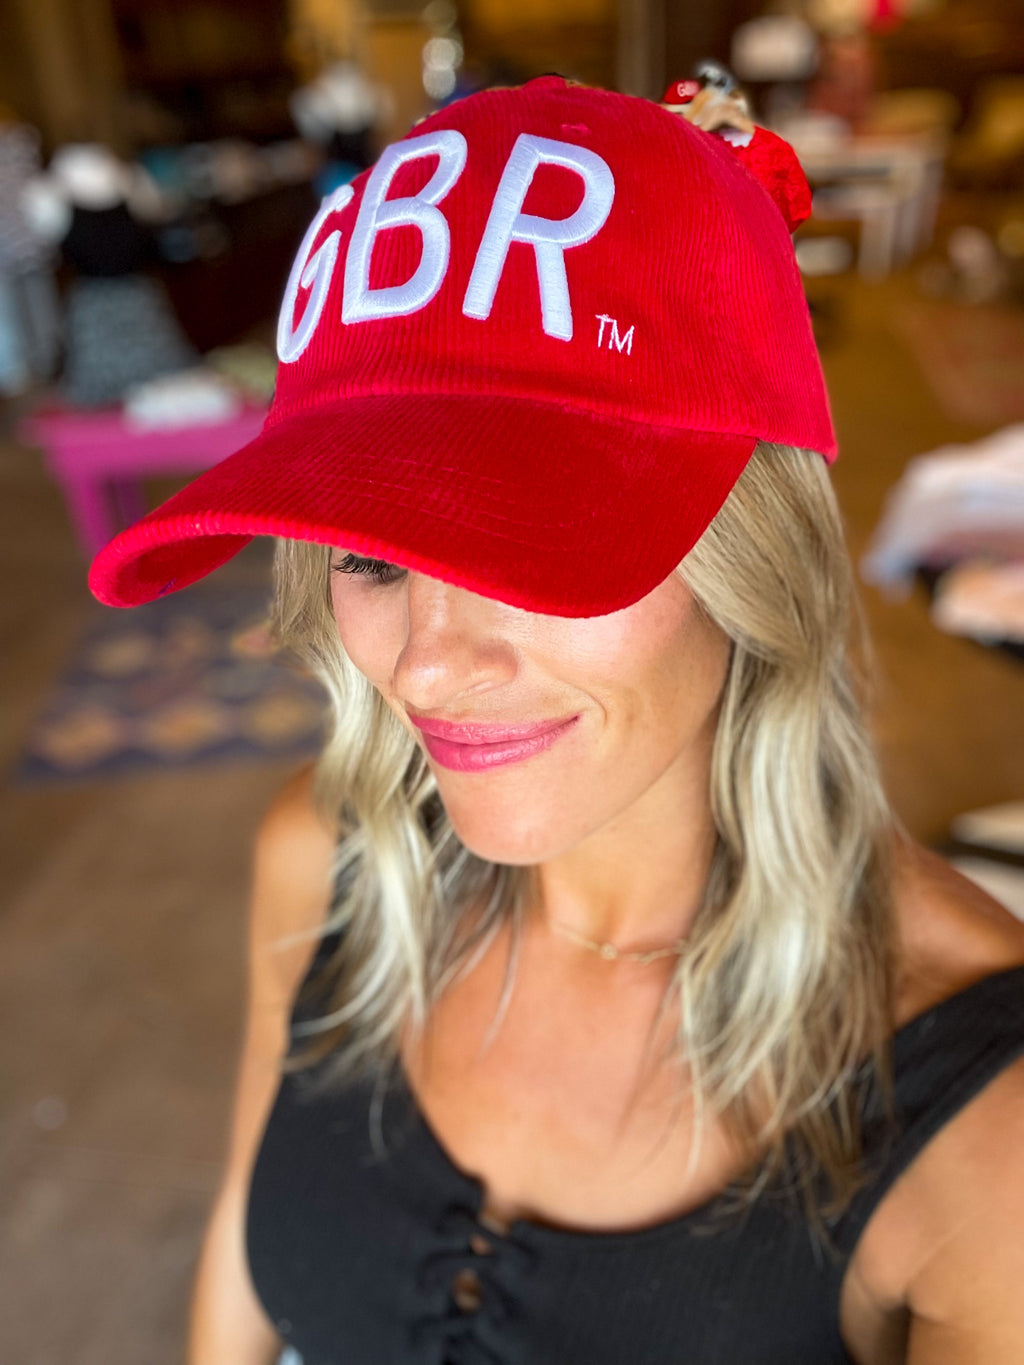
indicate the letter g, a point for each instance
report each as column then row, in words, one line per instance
column 313, row 273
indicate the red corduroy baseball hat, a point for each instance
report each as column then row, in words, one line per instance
column 529, row 352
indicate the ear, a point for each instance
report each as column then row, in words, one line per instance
column 774, row 164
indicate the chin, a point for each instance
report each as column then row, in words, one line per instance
column 498, row 837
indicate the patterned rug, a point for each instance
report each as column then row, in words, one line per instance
column 972, row 356
column 191, row 679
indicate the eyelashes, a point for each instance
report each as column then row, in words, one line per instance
column 379, row 571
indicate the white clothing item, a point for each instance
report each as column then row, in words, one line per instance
column 957, row 502
column 189, row 398
column 983, row 600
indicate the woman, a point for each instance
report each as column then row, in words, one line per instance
column 636, row 1030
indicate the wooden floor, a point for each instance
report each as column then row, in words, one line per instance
column 122, row 902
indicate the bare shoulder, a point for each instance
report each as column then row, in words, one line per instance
column 293, row 866
column 946, row 1245
column 950, row 933
column 966, row 1194
column 294, row 834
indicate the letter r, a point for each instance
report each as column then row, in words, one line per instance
column 549, row 237
column 377, row 212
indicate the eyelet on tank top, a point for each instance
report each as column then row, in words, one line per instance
column 467, row 1291
column 482, row 1273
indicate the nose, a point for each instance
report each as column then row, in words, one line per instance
column 453, row 646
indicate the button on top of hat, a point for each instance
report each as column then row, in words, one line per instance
column 467, row 1291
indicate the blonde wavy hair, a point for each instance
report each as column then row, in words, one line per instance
column 783, row 997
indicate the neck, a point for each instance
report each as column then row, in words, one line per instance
column 637, row 883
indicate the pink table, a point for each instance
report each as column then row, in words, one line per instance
column 99, row 461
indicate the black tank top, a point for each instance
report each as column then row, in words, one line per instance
column 360, row 1255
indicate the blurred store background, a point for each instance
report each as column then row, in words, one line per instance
column 159, row 161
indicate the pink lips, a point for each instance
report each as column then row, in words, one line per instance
column 475, row 748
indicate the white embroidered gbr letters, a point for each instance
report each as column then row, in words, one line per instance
column 506, row 223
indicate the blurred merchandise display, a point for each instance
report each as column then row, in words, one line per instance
column 193, row 397
column 960, row 508
column 225, row 264
column 823, row 255
column 119, row 329
column 211, row 226
column 339, row 113
column 778, row 55
column 998, row 828
column 229, row 379
column 231, row 170
column 123, row 343
column 774, row 47
column 983, row 599
column 29, row 323
column 195, row 179
column 875, row 158
column 888, row 184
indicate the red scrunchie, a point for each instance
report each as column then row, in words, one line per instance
column 774, row 164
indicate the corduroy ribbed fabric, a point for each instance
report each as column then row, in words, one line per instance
column 611, row 317
column 356, row 1254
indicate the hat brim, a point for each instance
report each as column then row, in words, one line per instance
column 551, row 508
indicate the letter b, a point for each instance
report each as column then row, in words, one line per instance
column 377, row 212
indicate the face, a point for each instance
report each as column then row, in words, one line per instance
column 542, row 731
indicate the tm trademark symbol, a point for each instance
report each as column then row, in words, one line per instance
column 621, row 341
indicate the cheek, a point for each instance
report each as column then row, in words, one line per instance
column 658, row 661
column 694, row 664
column 366, row 630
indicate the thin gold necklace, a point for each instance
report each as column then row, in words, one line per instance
column 612, row 954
